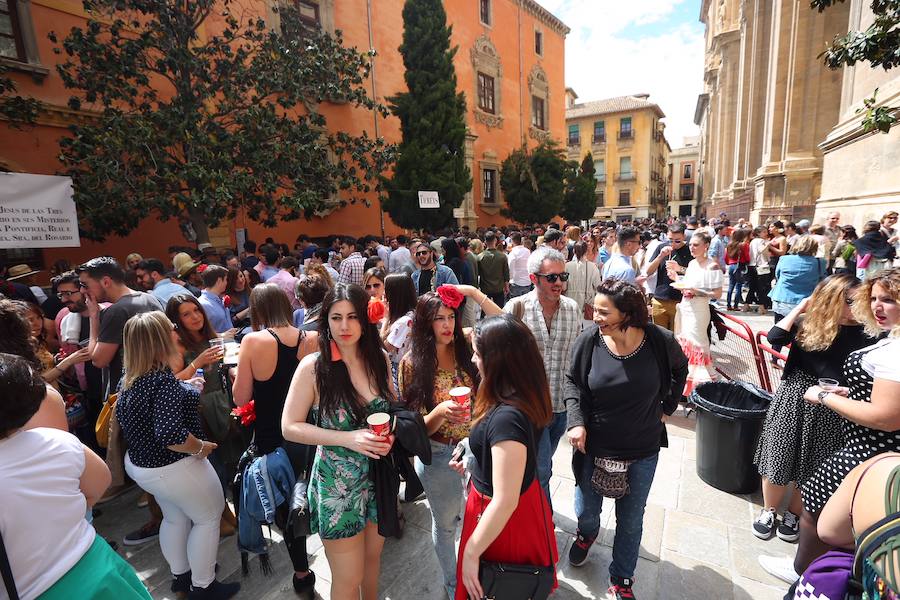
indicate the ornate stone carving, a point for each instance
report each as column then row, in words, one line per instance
column 488, row 120
column 486, row 59
column 538, row 134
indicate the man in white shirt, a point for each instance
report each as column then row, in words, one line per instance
column 519, row 277
column 400, row 259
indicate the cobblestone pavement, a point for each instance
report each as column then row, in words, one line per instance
column 697, row 542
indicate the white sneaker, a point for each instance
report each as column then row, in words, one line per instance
column 780, row 567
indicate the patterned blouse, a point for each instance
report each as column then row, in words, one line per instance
column 444, row 382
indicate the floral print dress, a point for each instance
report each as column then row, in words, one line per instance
column 341, row 495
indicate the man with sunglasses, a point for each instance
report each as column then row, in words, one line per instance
column 665, row 297
column 429, row 276
column 555, row 321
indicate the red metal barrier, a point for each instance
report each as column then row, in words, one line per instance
column 772, row 370
column 738, row 356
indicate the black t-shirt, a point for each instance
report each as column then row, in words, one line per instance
column 822, row 363
column 503, row 423
column 623, row 416
column 425, row 276
column 664, row 290
column 112, row 327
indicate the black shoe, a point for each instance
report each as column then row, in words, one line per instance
column 305, row 587
column 214, row 591
column 578, row 553
column 620, row 588
column 147, row 533
column 181, row 585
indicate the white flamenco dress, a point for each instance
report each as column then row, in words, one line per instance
column 692, row 321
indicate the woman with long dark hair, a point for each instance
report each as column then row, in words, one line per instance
column 737, row 257
column 238, row 290
column 268, row 359
column 507, row 517
column 342, row 384
column 439, row 360
column 400, row 298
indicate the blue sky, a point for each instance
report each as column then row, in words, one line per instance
column 620, row 47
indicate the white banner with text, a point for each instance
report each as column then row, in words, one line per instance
column 37, row 211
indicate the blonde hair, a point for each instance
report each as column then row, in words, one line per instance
column 147, row 344
column 805, row 245
column 889, row 279
column 822, row 321
column 476, row 246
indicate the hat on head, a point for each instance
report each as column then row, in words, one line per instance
column 19, row 271
column 183, row 264
column 203, row 246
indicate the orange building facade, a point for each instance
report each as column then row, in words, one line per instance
column 510, row 65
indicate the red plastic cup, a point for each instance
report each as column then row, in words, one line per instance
column 379, row 423
column 461, row 395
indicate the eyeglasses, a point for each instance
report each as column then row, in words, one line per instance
column 82, row 285
column 552, row 277
column 64, row 295
column 423, row 252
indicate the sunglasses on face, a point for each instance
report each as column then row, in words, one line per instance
column 423, row 252
column 552, row 277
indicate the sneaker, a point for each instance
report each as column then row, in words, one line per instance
column 620, row 588
column 789, row 530
column 304, row 587
column 181, row 585
column 214, row 591
column 144, row 500
column 147, row 533
column 780, row 567
column 578, row 553
column 764, row 525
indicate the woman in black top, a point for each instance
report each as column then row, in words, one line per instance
column 624, row 376
column 266, row 363
column 508, row 518
column 167, row 456
column 797, row 437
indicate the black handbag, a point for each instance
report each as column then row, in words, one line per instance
column 506, row 581
column 298, row 520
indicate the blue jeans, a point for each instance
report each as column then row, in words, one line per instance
column 546, row 447
column 519, row 290
column 735, row 281
column 629, row 512
column 444, row 490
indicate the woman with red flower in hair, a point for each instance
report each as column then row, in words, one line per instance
column 439, row 360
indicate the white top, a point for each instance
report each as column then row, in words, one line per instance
column 700, row 278
column 70, row 328
column 398, row 337
column 759, row 252
column 518, row 265
column 398, row 259
column 43, row 524
column 884, row 361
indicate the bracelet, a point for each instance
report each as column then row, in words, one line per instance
column 193, row 366
column 483, row 300
column 202, row 446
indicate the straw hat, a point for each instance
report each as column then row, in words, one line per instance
column 183, row 264
column 19, row 271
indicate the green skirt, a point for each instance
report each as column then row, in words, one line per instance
column 101, row 574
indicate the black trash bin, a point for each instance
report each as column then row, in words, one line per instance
column 729, row 420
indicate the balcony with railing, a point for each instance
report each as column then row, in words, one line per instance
column 626, row 201
column 626, row 176
column 574, row 140
column 598, row 138
column 626, row 135
column 600, row 177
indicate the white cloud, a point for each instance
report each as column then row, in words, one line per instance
column 606, row 56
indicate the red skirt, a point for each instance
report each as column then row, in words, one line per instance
column 524, row 539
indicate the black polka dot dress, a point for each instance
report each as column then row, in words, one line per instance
column 860, row 443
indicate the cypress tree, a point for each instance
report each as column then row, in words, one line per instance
column 432, row 119
column 579, row 203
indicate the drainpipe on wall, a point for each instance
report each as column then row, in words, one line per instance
column 374, row 96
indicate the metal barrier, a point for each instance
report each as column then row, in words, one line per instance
column 738, row 357
column 771, row 368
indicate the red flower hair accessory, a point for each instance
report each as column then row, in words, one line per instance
column 246, row 413
column 376, row 311
column 450, row 296
column 201, row 267
column 226, row 300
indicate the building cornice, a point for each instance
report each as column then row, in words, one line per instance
column 61, row 116
column 702, row 101
column 545, row 16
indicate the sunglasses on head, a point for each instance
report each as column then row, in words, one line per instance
column 552, row 277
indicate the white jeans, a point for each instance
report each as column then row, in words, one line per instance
column 190, row 496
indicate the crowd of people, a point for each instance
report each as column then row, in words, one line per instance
column 242, row 389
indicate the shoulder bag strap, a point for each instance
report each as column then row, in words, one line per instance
column 6, row 572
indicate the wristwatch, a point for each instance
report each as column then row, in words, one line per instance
column 821, row 396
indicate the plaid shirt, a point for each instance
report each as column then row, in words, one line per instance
column 351, row 270
column 555, row 345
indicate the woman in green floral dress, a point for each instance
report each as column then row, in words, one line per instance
column 347, row 380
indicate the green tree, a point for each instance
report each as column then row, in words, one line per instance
column 17, row 110
column 879, row 45
column 579, row 202
column 533, row 183
column 200, row 127
column 431, row 155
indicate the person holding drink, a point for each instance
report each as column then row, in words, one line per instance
column 436, row 378
column 342, row 384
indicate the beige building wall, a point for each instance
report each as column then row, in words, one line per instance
column 861, row 175
column 682, row 178
column 768, row 103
